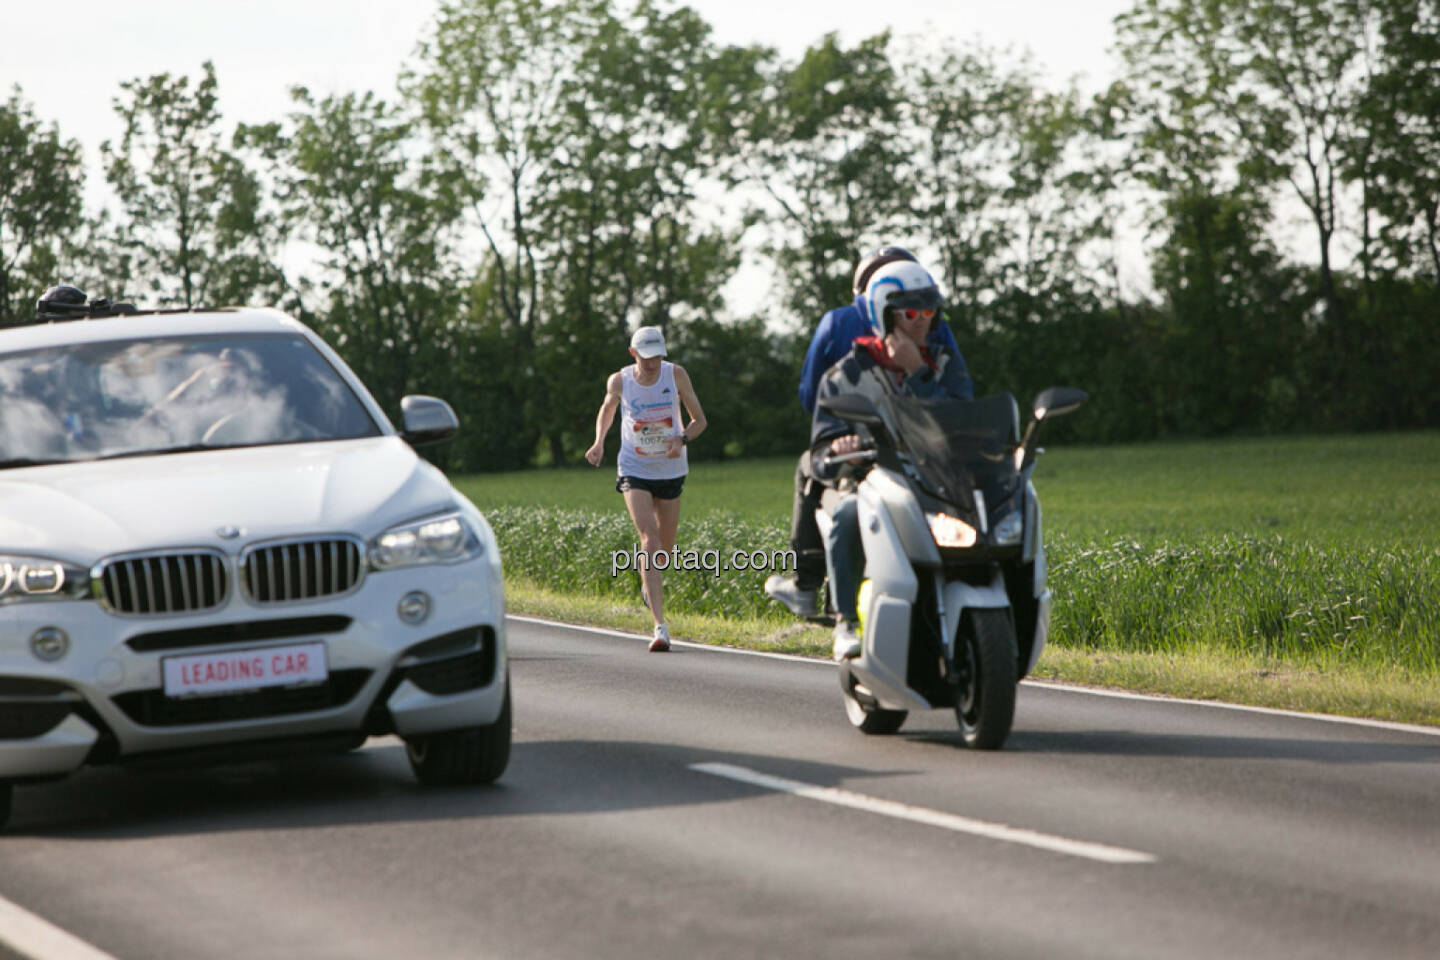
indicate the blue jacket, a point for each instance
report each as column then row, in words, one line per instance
column 838, row 331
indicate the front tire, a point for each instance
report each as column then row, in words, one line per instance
column 985, row 702
column 463, row 757
column 873, row 720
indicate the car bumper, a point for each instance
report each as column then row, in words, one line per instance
column 104, row 701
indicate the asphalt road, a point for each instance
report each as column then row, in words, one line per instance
column 703, row 804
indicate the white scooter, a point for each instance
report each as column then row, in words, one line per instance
column 953, row 602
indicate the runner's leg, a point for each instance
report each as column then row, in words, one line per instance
column 667, row 513
column 641, row 504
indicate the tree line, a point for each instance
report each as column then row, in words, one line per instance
column 549, row 176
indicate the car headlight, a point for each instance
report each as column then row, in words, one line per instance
column 950, row 531
column 448, row 538
column 1010, row 530
column 40, row 578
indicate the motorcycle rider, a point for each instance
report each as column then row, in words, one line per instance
column 832, row 342
column 903, row 302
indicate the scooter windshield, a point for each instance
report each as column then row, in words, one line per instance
column 957, row 446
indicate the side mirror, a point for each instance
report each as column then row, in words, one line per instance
column 1053, row 401
column 426, row 420
column 852, row 408
column 1050, row 402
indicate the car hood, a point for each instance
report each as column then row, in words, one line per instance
column 83, row 511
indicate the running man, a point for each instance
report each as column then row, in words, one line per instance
column 652, row 463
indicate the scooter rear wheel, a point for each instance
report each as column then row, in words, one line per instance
column 985, row 704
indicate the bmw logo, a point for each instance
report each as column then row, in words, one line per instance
column 229, row 533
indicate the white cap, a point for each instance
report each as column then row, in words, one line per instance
column 648, row 342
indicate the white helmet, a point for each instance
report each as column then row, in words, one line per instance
column 902, row 284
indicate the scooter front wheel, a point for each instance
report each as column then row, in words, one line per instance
column 985, row 704
column 870, row 718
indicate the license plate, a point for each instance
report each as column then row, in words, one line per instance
column 245, row 669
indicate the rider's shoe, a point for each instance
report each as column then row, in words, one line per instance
column 847, row 641
column 661, row 643
column 800, row 602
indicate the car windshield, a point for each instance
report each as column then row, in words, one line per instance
column 88, row 401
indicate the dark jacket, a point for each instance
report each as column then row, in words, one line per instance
column 860, row 372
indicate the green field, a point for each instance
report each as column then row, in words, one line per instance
column 1293, row 572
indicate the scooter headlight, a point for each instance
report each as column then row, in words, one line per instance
column 1010, row 530
column 950, row 531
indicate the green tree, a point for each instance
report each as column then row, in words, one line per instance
column 997, row 186
column 824, row 146
column 1271, row 85
column 385, row 227
column 41, row 179
column 1240, row 318
column 1400, row 149
column 644, row 120
column 194, row 228
column 577, row 136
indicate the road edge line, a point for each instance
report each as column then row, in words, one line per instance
column 1392, row 725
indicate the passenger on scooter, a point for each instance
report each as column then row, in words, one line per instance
column 904, row 303
column 832, row 342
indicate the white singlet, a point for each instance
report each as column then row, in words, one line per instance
column 650, row 416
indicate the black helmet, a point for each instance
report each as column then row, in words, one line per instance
column 874, row 260
column 62, row 302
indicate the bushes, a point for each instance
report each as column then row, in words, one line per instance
column 1270, row 597
column 571, row 551
column 1301, row 602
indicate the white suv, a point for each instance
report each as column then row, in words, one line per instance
column 213, row 544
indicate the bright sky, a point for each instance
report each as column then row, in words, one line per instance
column 69, row 58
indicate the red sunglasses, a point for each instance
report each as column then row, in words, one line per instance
column 911, row 313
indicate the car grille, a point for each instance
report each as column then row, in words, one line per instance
column 164, row 583
column 300, row 570
column 152, row 708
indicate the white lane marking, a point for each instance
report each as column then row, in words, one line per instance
column 32, row 936
column 934, row 818
column 1038, row 684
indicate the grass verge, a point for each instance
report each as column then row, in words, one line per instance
column 1198, row 674
column 1298, row 573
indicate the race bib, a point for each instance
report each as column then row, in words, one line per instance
column 653, row 436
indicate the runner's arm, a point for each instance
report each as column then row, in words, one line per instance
column 697, row 423
column 604, row 418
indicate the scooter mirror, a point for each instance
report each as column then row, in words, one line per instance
column 852, row 408
column 1053, row 401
